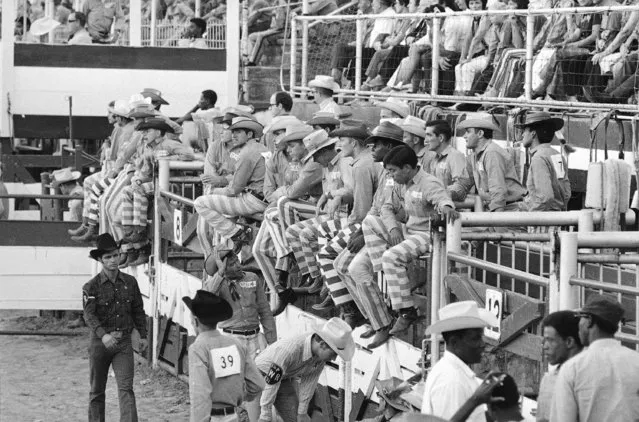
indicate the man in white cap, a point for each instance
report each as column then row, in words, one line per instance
column 547, row 182
column 493, row 172
column 155, row 95
column 302, row 357
column 244, row 196
column 325, row 88
column 414, row 134
column 451, row 381
column 392, row 108
column 67, row 181
column 445, row 162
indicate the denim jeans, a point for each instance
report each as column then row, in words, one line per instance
column 100, row 359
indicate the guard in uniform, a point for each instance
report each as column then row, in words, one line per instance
column 302, row 356
column 113, row 309
column 221, row 373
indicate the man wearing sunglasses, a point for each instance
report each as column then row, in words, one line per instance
column 77, row 32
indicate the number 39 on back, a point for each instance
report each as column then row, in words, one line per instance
column 226, row 361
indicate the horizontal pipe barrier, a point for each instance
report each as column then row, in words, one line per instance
column 609, row 287
column 608, row 239
column 628, row 338
column 587, row 258
column 546, row 218
column 498, row 269
column 186, row 165
column 38, row 196
column 507, row 237
column 174, row 197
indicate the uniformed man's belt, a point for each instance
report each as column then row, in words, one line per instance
column 242, row 332
column 258, row 195
column 223, row 411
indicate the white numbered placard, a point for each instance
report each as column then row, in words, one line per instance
column 178, row 221
column 226, row 361
column 494, row 305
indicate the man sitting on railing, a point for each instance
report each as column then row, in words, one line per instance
column 244, row 196
column 423, row 196
column 158, row 101
column 67, row 181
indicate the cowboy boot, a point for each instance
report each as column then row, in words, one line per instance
column 90, row 235
column 380, row 338
column 139, row 235
column 406, row 318
column 143, row 258
column 80, row 230
column 129, row 233
column 368, row 333
column 131, row 256
column 316, row 286
column 326, row 305
column 286, row 296
column 351, row 315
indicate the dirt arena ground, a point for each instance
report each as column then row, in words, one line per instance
column 46, row 379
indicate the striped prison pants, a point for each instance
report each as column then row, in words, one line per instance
column 135, row 204
column 269, row 249
column 112, row 205
column 216, row 210
column 87, row 188
column 359, row 277
column 98, row 188
column 303, row 239
column 394, row 260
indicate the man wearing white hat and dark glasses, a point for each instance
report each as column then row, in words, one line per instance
column 303, row 356
column 325, row 88
column 451, row 381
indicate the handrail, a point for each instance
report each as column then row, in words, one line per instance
column 498, row 269
column 587, row 258
column 546, row 218
column 507, row 237
column 177, row 198
column 608, row 239
column 186, row 165
column 38, row 196
column 616, row 288
column 334, row 12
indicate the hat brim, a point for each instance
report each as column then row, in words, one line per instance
column 331, row 87
column 255, row 127
column 374, row 138
column 477, row 124
column 295, row 136
column 413, row 130
column 326, row 143
column 75, row 175
column 156, row 98
column 345, row 353
column 555, row 122
column 117, row 113
column 140, row 114
column 323, row 121
column 394, row 403
column 97, row 253
column 394, row 107
column 356, row 133
column 210, row 265
column 224, row 309
column 485, row 319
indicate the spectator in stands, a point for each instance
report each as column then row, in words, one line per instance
column 451, row 381
column 414, row 135
column 548, row 184
column 600, row 383
column 100, row 16
column 67, row 181
column 258, row 20
column 62, row 11
column 561, row 342
column 77, row 33
column 280, row 104
column 325, row 87
column 217, row 10
column 423, row 196
column 192, row 37
column 325, row 121
column 20, row 34
column 256, row 40
column 208, row 100
column 178, row 12
column 392, row 108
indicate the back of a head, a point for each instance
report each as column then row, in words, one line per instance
column 506, row 410
column 81, row 18
column 400, row 156
column 200, row 23
column 285, row 99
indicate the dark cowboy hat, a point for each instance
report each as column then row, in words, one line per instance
column 508, row 391
column 390, row 390
column 208, row 308
column 154, row 123
column 154, row 95
column 210, row 264
column 103, row 244
column 386, row 131
column 355, row 131
column 534, row 117
column 604, row 308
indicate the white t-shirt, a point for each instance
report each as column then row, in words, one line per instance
column 382, row 26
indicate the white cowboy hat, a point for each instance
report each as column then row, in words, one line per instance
column 324, row 81
column 477, row 124
column 316, row 141
column 248, row 124
column 339, row 336
column 121, row 108
column 43, row 26
column 296, row 132
column 281, row 123
column 414, row 125
column 64, row 175
column 395, row 105
column 461, row 316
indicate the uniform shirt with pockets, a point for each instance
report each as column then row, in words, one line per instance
column 247, row 297
column 548, row 184
column 113, row 306
column 275, row 172
column 337, row 178
column 221, row 374
column 449, row 166
column 287, row 359
column 308, row 183
column 216, row 162
column 546, row 391
column 330, row 106
column 384, row 193
column 147, row 156
column 249, row 171
column 366, row 182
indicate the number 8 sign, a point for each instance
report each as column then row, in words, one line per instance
column 494, row 305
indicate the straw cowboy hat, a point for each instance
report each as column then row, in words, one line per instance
column 210, row 263
column 387, row 131
column 338, row 335
column 104, row 243
column 154, row 95
column 43, row 26
column 324, row 81
column 155, row 123
column 230, row 112
column 477, row 124
column 355, row 131
column 296, row 132
column 414, row 125
column 141, row 110
column 121, row 108
column 248, row 124
column 324, row 118
column 390, row 390
column 315, row 141
column 460, row 316
column 64, row 175
column 395, row 105
column 533, row 117
column 282, row 123
column 208, row 308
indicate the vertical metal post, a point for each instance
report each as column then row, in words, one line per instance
column 436, row 287
column 304, row 46
column 359, row 26
column 293, row 76
column 50, row 12
column 585, row 224
column 434, row 71
column 348, row 388
column 479, row 205
column 135, row 23
column 70, row 98
column 568, row 294
column 157, row 261
column 552, row 296
column 154, row 14
column 244, row 19
column 530, row 35
column 453, row 236
column 163, row 174
column 198, row 8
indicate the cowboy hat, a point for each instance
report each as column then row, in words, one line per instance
column 460, row 316
column 155, row 123
column 398, row 107
column 315, row 141
column 604, row 308
column 154, row 95
column 137, row 99
column 477, row 124
column 323, row 118
column 141, row 110
column 208, row 308
column 338, row 335
column 357, row 131
column 282, row 123
column 390, row 390
column 230, row 112
column 210, row 263
column 64, row 175
column 104, row 243
column 296, row 133
column 247, row 124
column 386, row 131
column 414, row 125
column 324, row 81
column 43, row 26
column 533, row 117
column 120, row 108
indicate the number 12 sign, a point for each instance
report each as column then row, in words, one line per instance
column 494, row 305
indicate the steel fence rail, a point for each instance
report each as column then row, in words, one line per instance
column 582, row 282
column 498, row 269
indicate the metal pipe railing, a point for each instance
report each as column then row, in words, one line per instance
column 38, row 196
column 334, row 12
column 609, row 287
column 498, row 269
column 507, row 237
column 592, row 258
column 174, row 197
